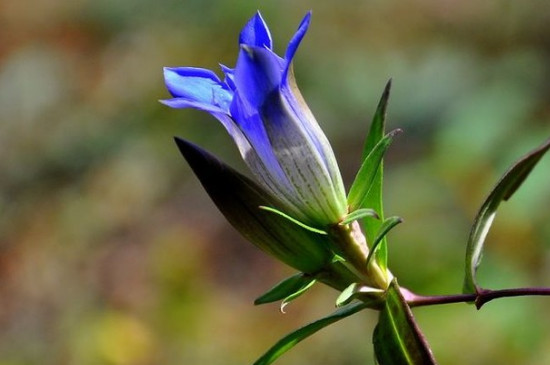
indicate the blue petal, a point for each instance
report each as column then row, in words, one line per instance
column 197, row 85
column 295, row 42
column 251, row 125
column 257, row 74
column 256, row 33
column 229, row 76
column 180, row 103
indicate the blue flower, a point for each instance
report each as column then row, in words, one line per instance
column 262, row 109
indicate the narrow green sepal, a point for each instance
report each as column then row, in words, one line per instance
column 385, row 228
column 368, row 171
column 285, row 288
column 397, row 339
column 359, row 214
column 295, row 295
column 293, row 220
column 293, row 338
column 357, row 290
column 504, row 189
column 238, row 198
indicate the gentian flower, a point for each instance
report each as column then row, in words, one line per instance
column 262, row 109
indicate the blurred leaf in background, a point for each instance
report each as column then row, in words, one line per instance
column 108, row 244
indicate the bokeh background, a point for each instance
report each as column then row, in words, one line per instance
column 110, row 251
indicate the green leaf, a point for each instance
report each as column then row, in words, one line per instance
column 293, row 220
column 357, row 290
column 295, row 295
column 503, row 190
column 384, row 229
column 290, row 340
column 397, row 339
column 373, row 199
column 359, row 214
column 239, row 199
column 285, row 288
column 367, row 172
column 378, row 124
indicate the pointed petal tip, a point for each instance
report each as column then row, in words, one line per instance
column 295, row 42
column 256, row 33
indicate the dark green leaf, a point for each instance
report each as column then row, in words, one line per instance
column 295, row 295
column 397, row 338
column 359, row 214
column 357, row 290
column 378, row 124
column 290, row 340
column 239, row 199
column 285, row 288
column 373, row 198
column 384, row 229
column 503, row 190
column 367, row 173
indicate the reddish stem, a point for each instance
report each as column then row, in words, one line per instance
column 483, row 296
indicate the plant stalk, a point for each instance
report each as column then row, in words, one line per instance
column 480, row 298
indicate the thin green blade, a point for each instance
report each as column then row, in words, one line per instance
column 293, row 220
column 378, row 124
column 384, row 229
column 285, row 288
column 368, row 172
column 373, row 198
column 397, row 339
column 503, row 190
column 293, row 338
column 295, row 295
column 358, row 291
column 359, row 214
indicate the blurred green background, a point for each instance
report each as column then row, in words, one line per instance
column 110, row 251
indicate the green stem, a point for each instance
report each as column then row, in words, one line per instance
column 352, row 243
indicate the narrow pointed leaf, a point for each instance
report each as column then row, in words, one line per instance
column 397, row 339
column 503, row 190
column 355, row 291
column 239, row 199
column 295, row 295
column 378, row 124
column 359, row 214
column 367, row 172
column 290, row 340
column 373, row 198
column 295, row 221
column 285, row 288
column 384, row 229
